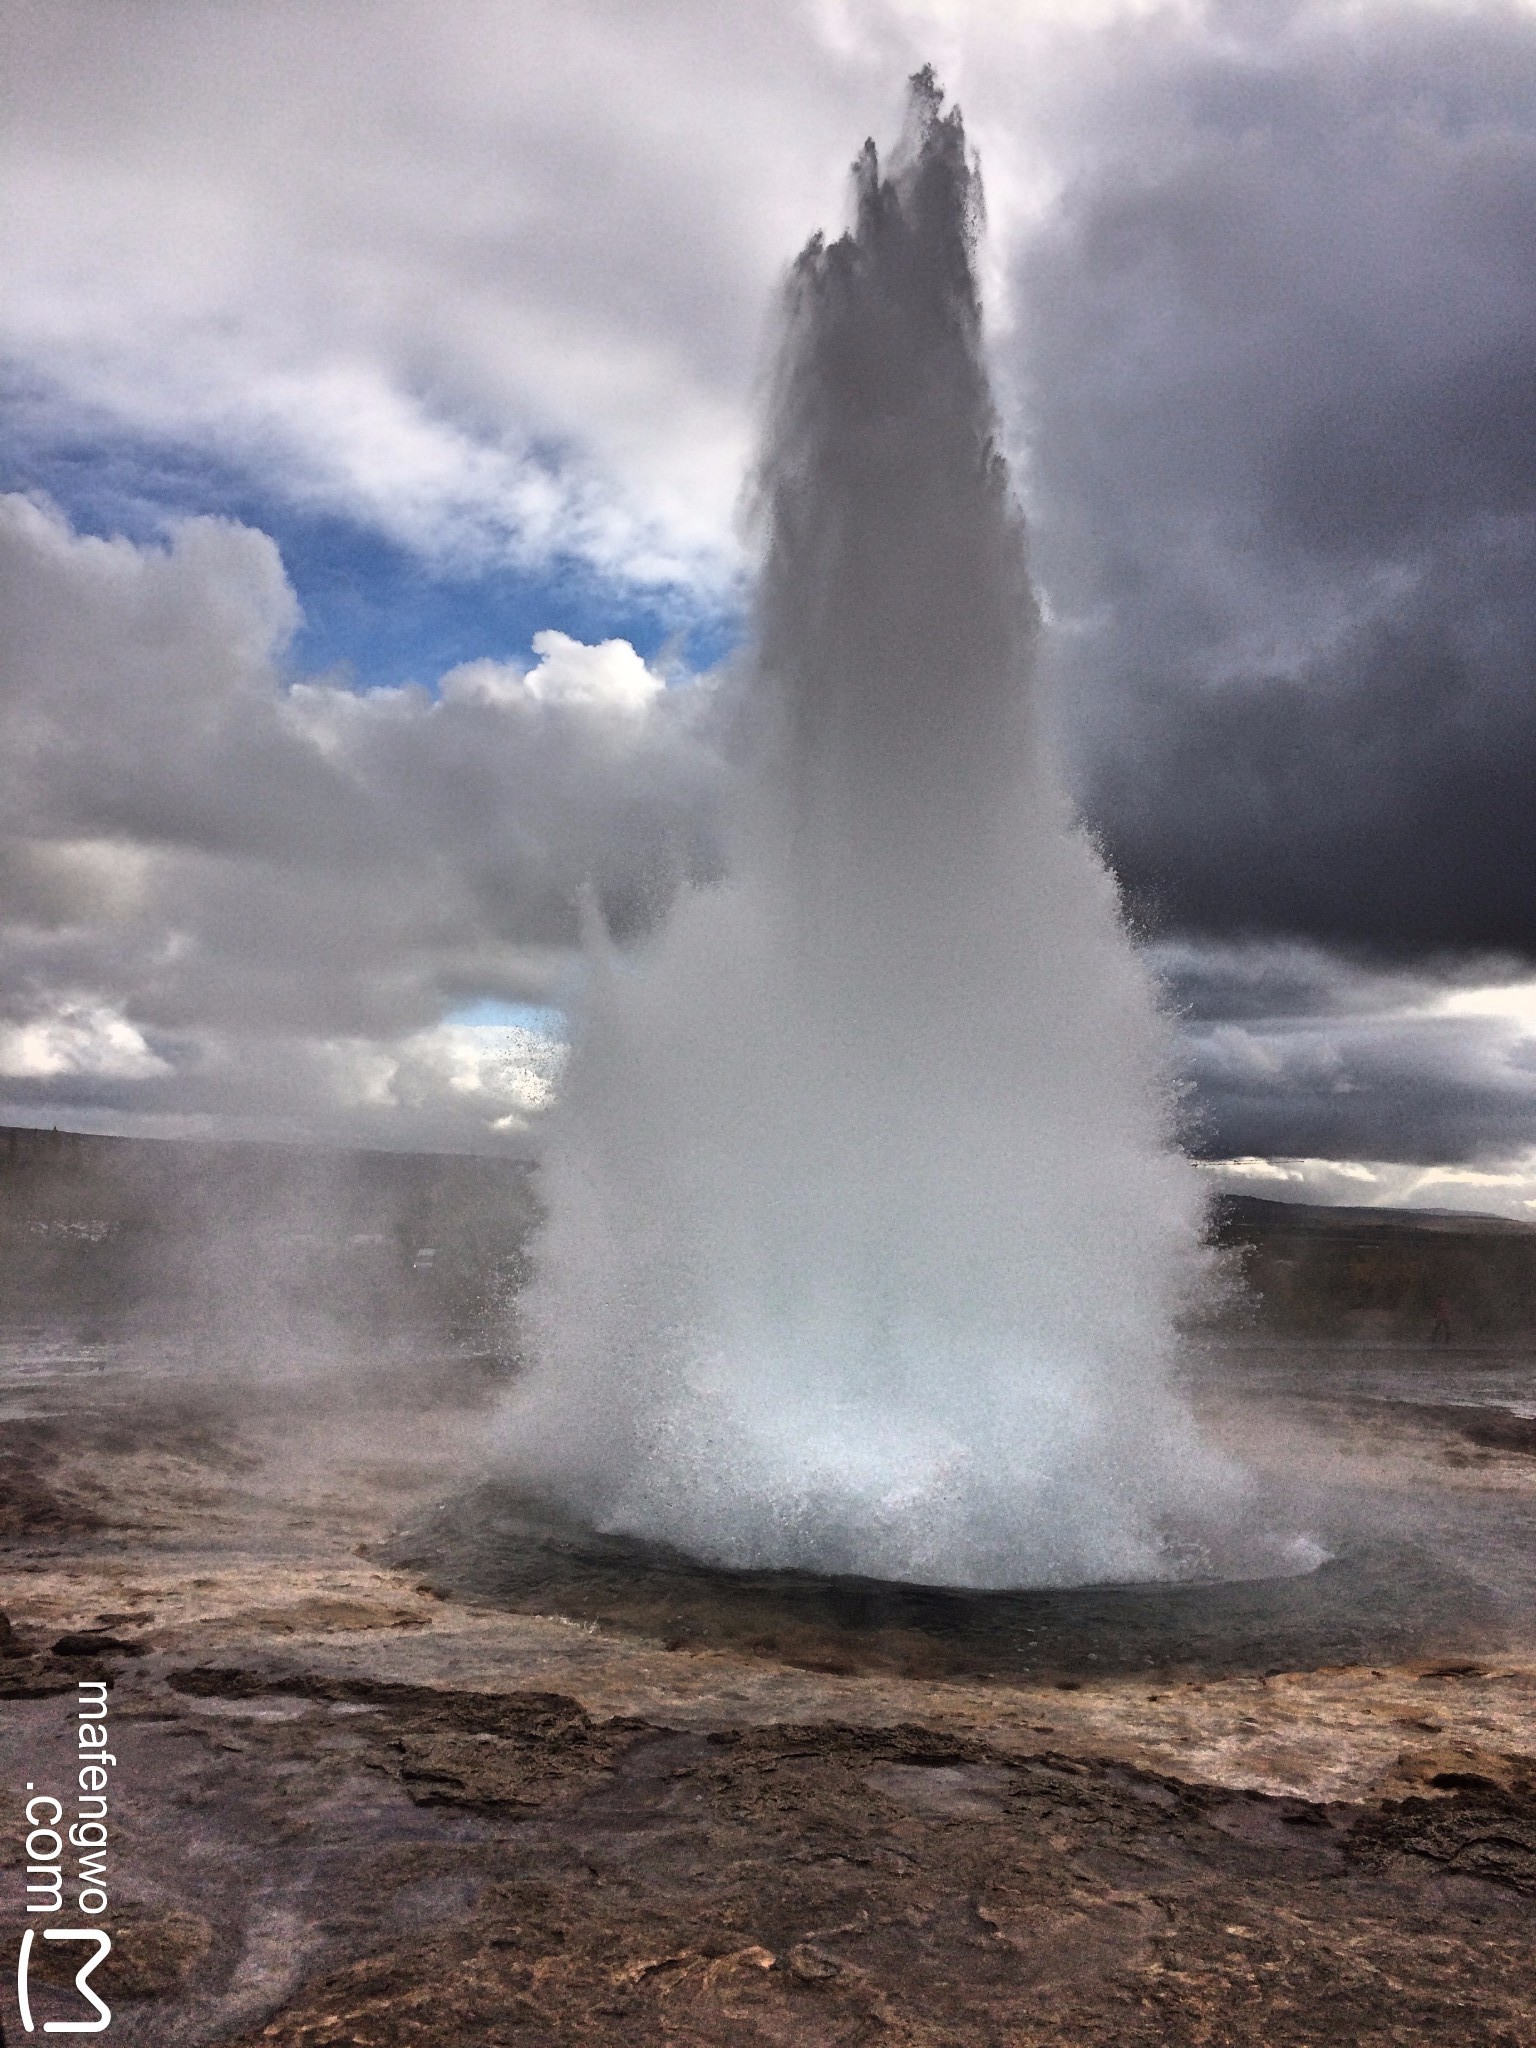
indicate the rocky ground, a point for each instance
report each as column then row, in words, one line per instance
column 358, row 1801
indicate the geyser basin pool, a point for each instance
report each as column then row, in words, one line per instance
column 1378, row 1600
column 868, row 1234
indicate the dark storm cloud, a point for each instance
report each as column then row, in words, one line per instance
column 1295, row 1052
column 1453, row 1090
column 1255, row 984
column 1281, row 400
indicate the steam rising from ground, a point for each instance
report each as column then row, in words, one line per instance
column 867, row 1231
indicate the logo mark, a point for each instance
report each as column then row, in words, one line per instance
column 23, row 1987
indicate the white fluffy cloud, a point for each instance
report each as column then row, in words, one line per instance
column 1507, row 1190
column 76, row 1039
column 491, row 280
column 224, row 892
column 608, row 677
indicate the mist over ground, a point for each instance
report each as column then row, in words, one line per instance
column 235, row 1264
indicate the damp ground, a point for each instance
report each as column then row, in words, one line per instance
column 403, row 1760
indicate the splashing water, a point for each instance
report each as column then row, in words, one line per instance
column 867, row 1232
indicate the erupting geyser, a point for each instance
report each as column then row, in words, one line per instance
column 867, row 1229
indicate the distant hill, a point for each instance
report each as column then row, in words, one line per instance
column 1252, row 1212
column 1362, row 1273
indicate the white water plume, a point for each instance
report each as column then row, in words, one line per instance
column 867, row 1231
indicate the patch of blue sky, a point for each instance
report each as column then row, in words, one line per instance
column 539, row 1018
column 385, row 616
column 374, row 611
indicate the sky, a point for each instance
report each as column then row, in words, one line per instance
column 379, row 385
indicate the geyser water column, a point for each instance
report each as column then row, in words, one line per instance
column 866, row 1228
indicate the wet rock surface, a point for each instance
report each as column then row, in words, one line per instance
column 390, row 1864
column 827, row 1884
column 359, row 1800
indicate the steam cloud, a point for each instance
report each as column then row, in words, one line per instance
column 867, row 1229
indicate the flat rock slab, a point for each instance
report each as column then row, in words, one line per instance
column 321, row 1861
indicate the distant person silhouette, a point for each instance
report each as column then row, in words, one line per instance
column 1441, row 1333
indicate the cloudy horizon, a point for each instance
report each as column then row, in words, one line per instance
column 380, row 387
